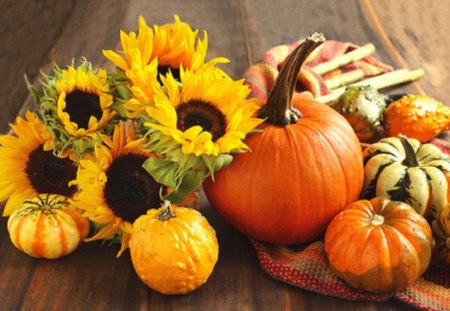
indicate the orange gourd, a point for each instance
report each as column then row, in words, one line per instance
column 305, row 166
column 47, row 226
column 379, row 245
column 417, row 116
column 441, row 233
column 173, row 249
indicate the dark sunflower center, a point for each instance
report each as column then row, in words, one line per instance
column 81, row 105
column 204, row 114
column 50, row 174
column 163, row 69
column 130, row 191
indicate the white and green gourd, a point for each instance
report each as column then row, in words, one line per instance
column 403, row 169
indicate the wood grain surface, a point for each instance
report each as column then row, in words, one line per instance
column 36, row 34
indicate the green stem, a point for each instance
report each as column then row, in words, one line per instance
column 410, row 156
column 166, row 212
column 278, row 109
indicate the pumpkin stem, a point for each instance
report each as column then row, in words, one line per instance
column 377, row 220
column 166, row 212
column 410, row 156
column 278, row 109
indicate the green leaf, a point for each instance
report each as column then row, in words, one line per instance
column 162, row 170
column 217, row 162
column 190, row 182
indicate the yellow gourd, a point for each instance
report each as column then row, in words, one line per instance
column 47, row 226
column 173, row 249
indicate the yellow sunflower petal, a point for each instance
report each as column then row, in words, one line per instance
column 100, row 180
column 106, row 232
column 116, row 59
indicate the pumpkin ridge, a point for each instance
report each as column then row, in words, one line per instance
column 341, row 165
column 81, row 227
column 366, row 232
column 38, row 246
column 374, row 154
column 431, row 190
column 371, row 188
column 403, row 260
column 401, row 193
column 62, row 234
column 18, row 229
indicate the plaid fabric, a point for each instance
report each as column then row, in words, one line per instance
column 261, row 76
column 307, row 266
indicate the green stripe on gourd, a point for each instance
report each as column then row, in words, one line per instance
column 405, row 170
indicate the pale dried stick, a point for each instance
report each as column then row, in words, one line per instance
column 344, row 59
column 378, row 82
column 344, row 79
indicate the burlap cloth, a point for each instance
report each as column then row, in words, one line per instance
column 306, row 266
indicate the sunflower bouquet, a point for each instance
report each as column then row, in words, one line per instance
column 120, row 143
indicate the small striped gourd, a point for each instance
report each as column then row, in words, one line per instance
column 47, row 226
column 403, row 169
column 441, row 233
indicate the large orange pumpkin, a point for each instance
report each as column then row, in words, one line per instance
column 305, row 166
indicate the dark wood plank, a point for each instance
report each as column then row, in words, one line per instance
column 27, row 33
column 55, row 32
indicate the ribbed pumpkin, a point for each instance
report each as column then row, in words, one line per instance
column 403, row 169
column 379, row 245
column 47, row 226
column 417, row 116
column 305, row 166
column 363, row 107
column 441, row 233
column 173, row 249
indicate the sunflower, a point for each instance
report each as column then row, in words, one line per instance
column 115, row 189
column 209, row 115
column 76, row 106
column 29, row 167
column 196, row 127
column 143, row 82
column 174, row 45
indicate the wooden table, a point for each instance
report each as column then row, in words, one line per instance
column 36, row 34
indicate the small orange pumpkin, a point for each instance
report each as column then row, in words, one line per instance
column 47, row 226
column 416, row 116
column 305, row 166
column 173, row 249
column 379, row 245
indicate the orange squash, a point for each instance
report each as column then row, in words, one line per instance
column 305, row 166
column 417, row 116
column 441, row 233
column 173, row 249
column 47, row 226
column 379, row 245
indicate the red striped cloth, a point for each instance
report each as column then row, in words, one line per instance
column 308, row 267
